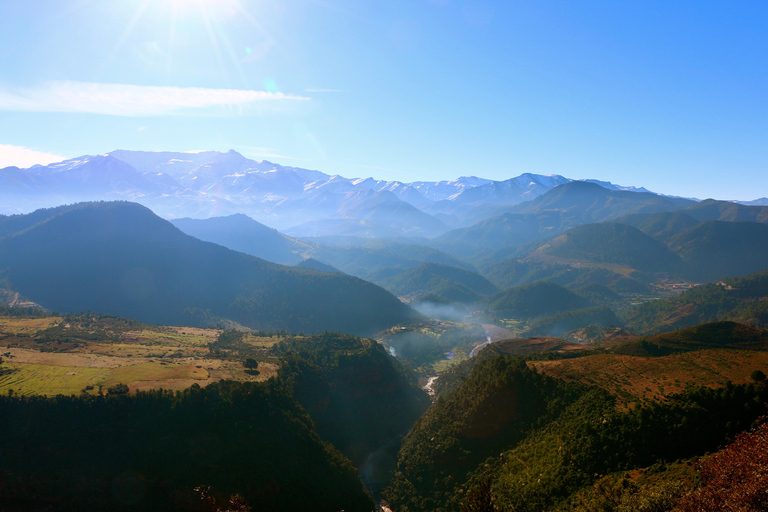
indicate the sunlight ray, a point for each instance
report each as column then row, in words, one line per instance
column 171, row 38
column 214, row 41
column 127, row 32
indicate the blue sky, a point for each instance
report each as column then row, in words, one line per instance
column 672, row 96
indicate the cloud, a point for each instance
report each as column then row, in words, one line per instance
column 24, row 157
column 141, row 100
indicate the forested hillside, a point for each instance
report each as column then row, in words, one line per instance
column 510, row 438
column 151, row 450
column 738, row 299
column 120, row 258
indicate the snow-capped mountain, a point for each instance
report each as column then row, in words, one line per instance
column 302, row 201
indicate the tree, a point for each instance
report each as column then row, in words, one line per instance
column 251, row 365
column 757, row 376
column 119, row 389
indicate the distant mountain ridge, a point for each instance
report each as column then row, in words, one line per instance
column 311, row 203
column 558, row 209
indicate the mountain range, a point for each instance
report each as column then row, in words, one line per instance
column 300, row 202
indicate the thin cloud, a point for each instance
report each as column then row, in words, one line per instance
column 25, row 157
column 141, row 100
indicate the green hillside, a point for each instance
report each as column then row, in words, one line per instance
column 241, row 233
column 712, row 209
column 662, row 226
column 717, row 249
column 561, row 208
column 367, row 258
column 610, row 244
column 581, row 202
column 452, row 283
column 120, row 258
column 149, row 451
column 542, row 298
column 561, row 323
column 12, row 224
column 713, row 335
column 508, row 229
column 740, row 299
column 313, row 264
column 515, row 272
column 510, row 438
column 359, row 396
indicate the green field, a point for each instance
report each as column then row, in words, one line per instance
column 172, row 338
column 50, row 380
column 35, row 379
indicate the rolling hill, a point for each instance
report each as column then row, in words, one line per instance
column 583, row 203
column 662, row 226
column 717, row 249
column 241, row 233
column 714, row 335
column 511, row 437
column 313, row 264
column 452, row 283
column 559, row 209
column 712, row 209
column 618, row 247
column 122, row 259
column 542, row 298
column 740, row 299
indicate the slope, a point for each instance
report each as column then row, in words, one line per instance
column 149, row 451
column 313, row 264
column 453, row 283
column 583, row 203
column 241, row 233
column 717, row 249
column 714, row 335
column 511, row 438
column 121, row 258
column 542, row 298
column 617, row 247
column 562, row 207
column 741, row 299
column 662, row 226
column 712, row 209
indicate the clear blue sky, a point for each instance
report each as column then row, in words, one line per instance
column 672, row 96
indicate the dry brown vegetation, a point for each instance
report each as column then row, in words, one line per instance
column 637, row 379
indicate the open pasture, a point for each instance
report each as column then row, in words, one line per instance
column 170, row 336
column 26, row 326
column 29, row 372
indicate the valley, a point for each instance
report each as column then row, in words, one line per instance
column 344, row 256
column 585, row 346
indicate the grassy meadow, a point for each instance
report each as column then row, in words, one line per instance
column 89, row 353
